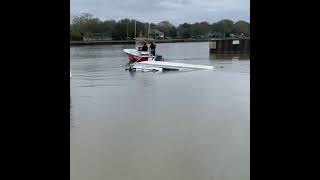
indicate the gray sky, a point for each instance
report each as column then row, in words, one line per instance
column 175, row 11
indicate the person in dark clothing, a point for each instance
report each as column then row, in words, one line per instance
column 153, row 48
column 144, row 47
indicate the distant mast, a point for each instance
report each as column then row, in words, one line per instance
column 127, row 31
column 135, row 28
column 149, row 31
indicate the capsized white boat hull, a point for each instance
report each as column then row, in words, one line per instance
column 171, row 65
column 145, row 68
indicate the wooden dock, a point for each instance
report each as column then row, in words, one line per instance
column 230, row 46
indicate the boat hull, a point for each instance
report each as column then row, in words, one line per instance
column 134, row 58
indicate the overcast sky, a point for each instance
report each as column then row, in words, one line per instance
column 175, row 11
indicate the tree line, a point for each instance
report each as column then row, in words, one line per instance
column 87, row 25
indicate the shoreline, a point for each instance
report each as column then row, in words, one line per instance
column 111, row 42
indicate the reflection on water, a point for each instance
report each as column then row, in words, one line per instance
column 213, row 56
column 175, row 125
column 70, row 113
column 231, row 62
column 71, row 119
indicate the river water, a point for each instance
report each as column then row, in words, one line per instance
column 191, row 125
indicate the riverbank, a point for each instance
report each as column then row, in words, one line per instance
column 80, row 43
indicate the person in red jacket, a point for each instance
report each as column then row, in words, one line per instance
column 153, row 48
column 144, row 47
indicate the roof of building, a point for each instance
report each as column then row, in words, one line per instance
column 155, row 31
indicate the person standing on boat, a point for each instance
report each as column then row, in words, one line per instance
column 144, row 47
column 153, row 48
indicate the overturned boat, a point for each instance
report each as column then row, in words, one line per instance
column 144, row 61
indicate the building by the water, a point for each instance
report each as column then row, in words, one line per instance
column 158, row 34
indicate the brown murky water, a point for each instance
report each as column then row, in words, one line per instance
column 159, row 126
